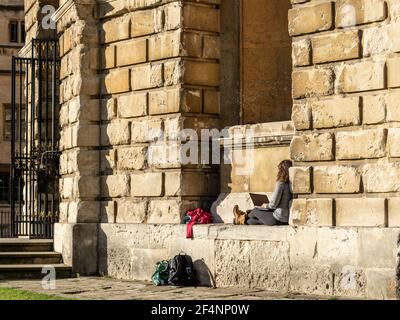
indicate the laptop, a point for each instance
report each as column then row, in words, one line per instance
column 259, row 199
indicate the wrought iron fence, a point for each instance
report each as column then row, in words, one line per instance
column 35, row 137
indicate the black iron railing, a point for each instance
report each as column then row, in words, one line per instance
column 35, row 136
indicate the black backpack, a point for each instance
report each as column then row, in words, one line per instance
column 181, row 272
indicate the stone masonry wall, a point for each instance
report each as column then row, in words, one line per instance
column 80, row 134
column 305, row 260
column 159, row 62
column 346, row 113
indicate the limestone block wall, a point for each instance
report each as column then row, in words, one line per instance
column 346, row 113
column 305, row 260
column 80, row 134
column 160, row 74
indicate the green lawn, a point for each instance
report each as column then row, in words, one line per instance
column 16, row 294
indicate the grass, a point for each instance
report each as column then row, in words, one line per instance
column 17, row 294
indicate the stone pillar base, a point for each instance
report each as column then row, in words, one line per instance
column 77, row 242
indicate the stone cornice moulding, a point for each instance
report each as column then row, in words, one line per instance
column 25, row 51
column 67, row 5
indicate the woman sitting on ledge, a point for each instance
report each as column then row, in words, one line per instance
column 276, row 212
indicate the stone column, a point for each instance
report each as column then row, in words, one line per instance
column 76, row 234
column 161, row 73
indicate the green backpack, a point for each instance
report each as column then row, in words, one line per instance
column 161, row 274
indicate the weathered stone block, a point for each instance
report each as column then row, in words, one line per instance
column 393, row 77
column 164, row 211
column 301, row 52
column 362, row 76
column 108, row 109
column 337, row 246
column 381, row 177
column 87, row 161
column 173, row 16
column 78, row 245
column 201, row 73
column 107, row 211
column 393, row 107
column 147, row 76
column 361, row 144
column 117, row 81
column 336, row 47
column 311, row 212
column 302, row 245
column 147, row 184
column 311, row 279
column 360, row 212
column 393, row 212
column 336, row 179
column 211, row 47
column 314, row 82
column 86, row 187
column 131, row 211
column 312, row 147
column 146, row 131
column 201, row 18
column 354, row 12
column 309, row 19
column 165, row 45
column 132, row 105
column 114, row 30
column 85, row 136
column 211, row 101
column 301, row 116
column 173, row 72
column 370, row 245
column 133, row 158
column 115, row 186
column 109, row 57
column 271, row 258
column 393, row 142
column 131, row 52
column 300, row 179
column 83, row 212
column 146, row 22
column 349, row 281
column 164, row 101
column 381, row 284
column 108, row 159
column 115, row 133
column 374, row 109
column 337, row 112
column 232, row 255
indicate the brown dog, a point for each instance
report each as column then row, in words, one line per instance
column 240, row 216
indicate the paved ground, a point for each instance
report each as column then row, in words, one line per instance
column 102, row 288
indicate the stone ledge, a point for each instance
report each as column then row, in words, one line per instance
column 259, row 135
column 307, row 260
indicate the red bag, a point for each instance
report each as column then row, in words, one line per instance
column 198, row 216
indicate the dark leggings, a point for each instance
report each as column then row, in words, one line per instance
column 257, row 217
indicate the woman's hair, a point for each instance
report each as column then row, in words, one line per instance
column 283, row 171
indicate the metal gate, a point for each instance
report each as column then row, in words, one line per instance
column 35, row 137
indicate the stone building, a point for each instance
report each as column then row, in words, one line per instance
column 313, row 80
column 12, row 37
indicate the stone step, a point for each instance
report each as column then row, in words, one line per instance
column 25, row 245
column 31, row 271
column 30, row 258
